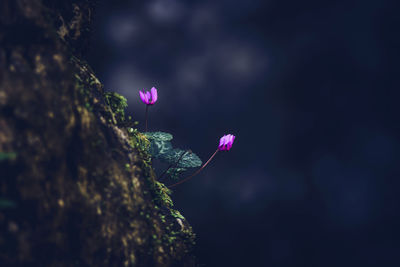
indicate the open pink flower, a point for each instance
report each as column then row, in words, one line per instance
column 149, row 98
column 226, row 141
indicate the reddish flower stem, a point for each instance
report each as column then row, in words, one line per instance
column 147, row 108
column 197, row 172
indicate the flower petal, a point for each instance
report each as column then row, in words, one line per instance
column 230, row 141
column 222, row 143
column 147, row 97
column 142, row 96
column 221, row 140
column 154, row 95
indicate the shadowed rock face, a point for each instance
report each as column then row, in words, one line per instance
column 76, row 188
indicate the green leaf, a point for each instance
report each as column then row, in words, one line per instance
column 159, row 143
column 174, row 173
column 189, row 159
column 158, row 148
column 161, row 148
column 159, row 136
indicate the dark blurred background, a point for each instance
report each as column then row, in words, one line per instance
column 309, row 88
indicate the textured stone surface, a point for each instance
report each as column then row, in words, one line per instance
column 79, row 186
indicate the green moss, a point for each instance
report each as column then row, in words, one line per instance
column 7, row 155
column 85, row 92
column 160, row 194
column 118, row 104
column 170, row 239
column 163, row 219
column 127, row 166
column 177, row 214
column 140, row 142
column 7, row 204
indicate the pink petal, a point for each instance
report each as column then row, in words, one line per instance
column 154, row 95
column 147, row 97
column 230, row 141
column 222, row 143
column 228, row 146
column 231, row 137
column 222, row 140
column 142, row 96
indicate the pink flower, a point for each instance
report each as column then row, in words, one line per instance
column 149, row 98
column 226, row 141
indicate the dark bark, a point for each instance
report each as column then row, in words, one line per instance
column 76, row 188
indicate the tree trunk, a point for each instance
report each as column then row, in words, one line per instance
column 76, row 184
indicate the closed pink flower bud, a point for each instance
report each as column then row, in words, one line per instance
column 226, row 141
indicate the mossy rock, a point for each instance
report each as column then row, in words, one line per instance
column 77, row 188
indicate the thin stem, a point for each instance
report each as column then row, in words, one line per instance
column 172, row 165
column 147, row 108
column 197, row 172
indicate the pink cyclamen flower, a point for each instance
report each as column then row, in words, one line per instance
column 226, row 141
column 149, row 98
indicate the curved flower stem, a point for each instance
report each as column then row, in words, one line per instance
column 172, row 165
column 147, row 108
column 197, row 172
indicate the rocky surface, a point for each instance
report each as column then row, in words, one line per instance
column 77, row 186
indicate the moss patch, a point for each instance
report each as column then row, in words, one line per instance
column 118, row 104
column 7, row 155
